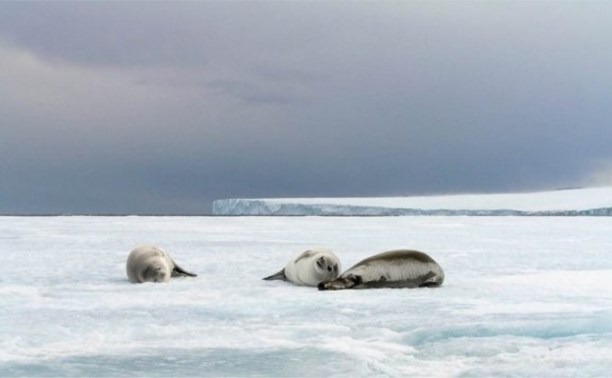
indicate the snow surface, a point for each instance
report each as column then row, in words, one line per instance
column 584, row 201
column 523, row 296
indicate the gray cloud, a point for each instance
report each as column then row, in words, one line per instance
column 162, row 107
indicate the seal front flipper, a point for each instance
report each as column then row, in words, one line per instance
column 429, row 280
column 341, row 283
column 277, row 276
column 178, row 271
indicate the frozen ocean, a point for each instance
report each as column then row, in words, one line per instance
column 523, row 296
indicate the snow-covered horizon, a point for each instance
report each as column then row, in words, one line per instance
column 582, row 201
column 523, row 296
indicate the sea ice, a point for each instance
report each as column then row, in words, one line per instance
column 522, row 297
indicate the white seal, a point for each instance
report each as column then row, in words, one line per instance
column 309, row 268
column 396, row 269
column 148, row 263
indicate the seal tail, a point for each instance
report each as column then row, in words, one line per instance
column 277, row 276
column 178, row 271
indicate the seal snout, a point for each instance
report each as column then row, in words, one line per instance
column 321, row 286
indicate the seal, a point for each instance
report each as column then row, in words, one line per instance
column 310, row 267
column 148, row 263
column 393, row 269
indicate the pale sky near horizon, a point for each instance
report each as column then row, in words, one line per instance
column 162, row 107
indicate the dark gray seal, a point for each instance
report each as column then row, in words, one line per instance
column 392, row 269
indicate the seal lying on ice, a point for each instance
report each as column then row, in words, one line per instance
column 309, row 268
column 394, row 269
column 148, row 263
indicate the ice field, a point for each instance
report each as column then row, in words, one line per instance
column 523, row 296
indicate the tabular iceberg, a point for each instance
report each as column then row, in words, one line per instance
column 570, row 202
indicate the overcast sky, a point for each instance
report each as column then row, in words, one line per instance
column 162, row 107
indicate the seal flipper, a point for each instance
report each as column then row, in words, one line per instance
column 178, row 271
column 277, row 276
column 341, row 283
column 430, row 280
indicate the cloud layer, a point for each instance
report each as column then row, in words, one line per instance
column 161, row 108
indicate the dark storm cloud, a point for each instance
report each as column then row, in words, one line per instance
column 165, row 106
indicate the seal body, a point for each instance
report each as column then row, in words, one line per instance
column 148, row 263
column 393, row 269
column 309, row 268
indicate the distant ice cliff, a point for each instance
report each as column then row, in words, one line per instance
column 574, row 202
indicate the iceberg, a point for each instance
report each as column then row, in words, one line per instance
column 569, row 202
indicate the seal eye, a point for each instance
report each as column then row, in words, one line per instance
column 329, row 268
column 320, row 263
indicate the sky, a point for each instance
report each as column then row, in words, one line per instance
column 163, row 107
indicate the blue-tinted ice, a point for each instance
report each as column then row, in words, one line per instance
column 522, row 297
